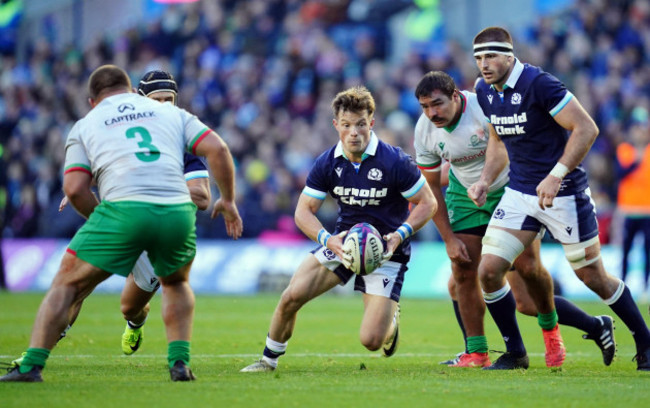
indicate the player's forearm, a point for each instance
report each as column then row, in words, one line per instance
column 308, row 223
column 496, row 159
column 200, row 192
column 223, row 169
column 441, row 216
column 426, row 207
column 578, row 145
column 84, row 202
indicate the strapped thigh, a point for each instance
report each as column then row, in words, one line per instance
column 576, row 254
column 502, row 244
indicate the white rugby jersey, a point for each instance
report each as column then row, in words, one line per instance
column 133, row 146
column 463, row 145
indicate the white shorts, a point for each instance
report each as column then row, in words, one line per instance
column 144, row 275
column 571, row 220
column 386, row 281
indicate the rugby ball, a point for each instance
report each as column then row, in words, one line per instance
column 364, row 243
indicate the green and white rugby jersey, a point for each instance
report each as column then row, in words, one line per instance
column 463, row 145
column 133, row 146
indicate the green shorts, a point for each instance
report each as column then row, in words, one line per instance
column 463, row 213
column 117, row 232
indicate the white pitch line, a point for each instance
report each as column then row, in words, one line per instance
column 299, row 355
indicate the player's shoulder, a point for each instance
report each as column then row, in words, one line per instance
column 533, row 74
column 325, row 158
column 391, row 156
column 470, row 96
column 473, row 106
column 388, row 149
column 423, row 127
column 480, row 86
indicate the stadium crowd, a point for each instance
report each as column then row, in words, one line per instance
column 262, row 74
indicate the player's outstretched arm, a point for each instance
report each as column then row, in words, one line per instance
column 76, row 186
column 584, row 131
column 221, row 164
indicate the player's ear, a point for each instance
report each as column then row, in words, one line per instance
column 91, row 102
column 372, row 122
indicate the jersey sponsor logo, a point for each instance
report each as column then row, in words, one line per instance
column 124, row 107
column 465, row 158
column 128, row 118
column 499, row 214
column 516, row 99
column 499, row 121
column 338, row 171
column 474, row 141
column 360, row 196
column 375, row 174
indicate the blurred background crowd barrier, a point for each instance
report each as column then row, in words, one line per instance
column 262, row 73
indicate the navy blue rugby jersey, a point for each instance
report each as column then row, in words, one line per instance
column 523, row 118
column 194, row 167
column 375, row 191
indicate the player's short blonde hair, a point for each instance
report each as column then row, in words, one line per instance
column 356, row 99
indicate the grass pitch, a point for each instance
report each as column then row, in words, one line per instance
column 325, row 365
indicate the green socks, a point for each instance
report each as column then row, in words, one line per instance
column 547, row 321
column 178, row 350
column 34, row 357
column 477, row 344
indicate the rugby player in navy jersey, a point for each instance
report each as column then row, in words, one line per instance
column 452, row 127
column 372, row 182
column 540, row 126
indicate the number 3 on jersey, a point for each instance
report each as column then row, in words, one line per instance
column 153, row 154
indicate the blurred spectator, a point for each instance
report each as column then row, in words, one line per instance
column 11, row 13
column 262, row 73
column 633, row 158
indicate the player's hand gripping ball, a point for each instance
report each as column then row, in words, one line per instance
column 363, row 249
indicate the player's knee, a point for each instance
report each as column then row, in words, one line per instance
column 528, row 270
column 372, row 341
column 291, row 300
column 463, row 276
column 490, row 274
column 451, row 287
column 592, row 276
column 131, row 311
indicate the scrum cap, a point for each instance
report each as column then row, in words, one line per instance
column 157, row 81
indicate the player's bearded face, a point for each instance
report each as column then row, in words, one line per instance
column 439, row 108
column 354, row 131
